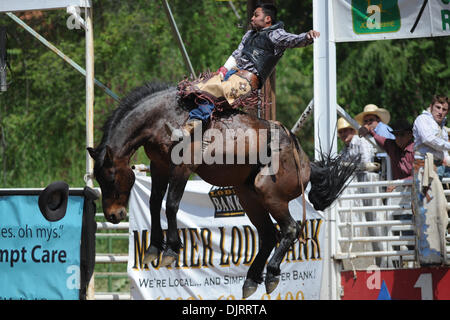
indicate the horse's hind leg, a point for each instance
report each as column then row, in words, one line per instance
column 267, row 233
column 160, row 180
column 276, row 189
column 290, row 231
column 278, row 206
column 177, row 182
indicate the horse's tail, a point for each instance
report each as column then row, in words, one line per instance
column 329, row 177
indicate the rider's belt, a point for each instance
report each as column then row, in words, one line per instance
column 250, row 77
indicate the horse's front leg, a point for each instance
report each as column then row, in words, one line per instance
column 160, row 180
column 177, row 182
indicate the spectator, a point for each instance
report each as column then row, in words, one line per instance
column 355, row 145
column 401, row 153
column 377, row 119
column 431, row 136
column 400, row 150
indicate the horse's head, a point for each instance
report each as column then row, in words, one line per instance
column 116, row 179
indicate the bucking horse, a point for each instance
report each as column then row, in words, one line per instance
column 140, row 121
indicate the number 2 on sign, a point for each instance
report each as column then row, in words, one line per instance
column 425, row 283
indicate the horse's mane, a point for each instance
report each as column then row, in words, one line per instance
column 133, row 99
column 127, row 104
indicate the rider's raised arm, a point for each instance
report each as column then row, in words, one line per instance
column 283, row 39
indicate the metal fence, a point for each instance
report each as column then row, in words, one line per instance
column 376, row 227
column 110, row 275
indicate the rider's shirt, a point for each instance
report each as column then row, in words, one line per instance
column 280, row 39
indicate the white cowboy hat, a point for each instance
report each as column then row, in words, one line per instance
column 383, row 114
column 342, row 124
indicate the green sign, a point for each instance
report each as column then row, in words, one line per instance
column 375, row 16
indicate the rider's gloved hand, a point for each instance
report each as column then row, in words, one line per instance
column 222, row 71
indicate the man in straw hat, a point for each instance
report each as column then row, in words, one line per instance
column 376, row 119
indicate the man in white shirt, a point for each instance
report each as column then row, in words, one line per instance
column 431, row 138
column 430, row 135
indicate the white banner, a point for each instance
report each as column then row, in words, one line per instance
column 361, row 20
column 219, row 244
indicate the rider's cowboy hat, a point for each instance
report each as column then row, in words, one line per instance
column 383, row 114
column 342, row 124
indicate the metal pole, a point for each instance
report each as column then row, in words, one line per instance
column 324, row 78
column 236, row 13
column 325, row 126
column 89, row 94
column 340, row 111
column 60, row 54
column 177, row 36
column 89, row 35
column 305, row 115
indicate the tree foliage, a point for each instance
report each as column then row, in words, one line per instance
column 42, row 115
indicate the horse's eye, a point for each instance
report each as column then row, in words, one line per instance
column 110, row 175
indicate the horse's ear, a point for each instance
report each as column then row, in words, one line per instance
column 108, row 160
column 92, row 152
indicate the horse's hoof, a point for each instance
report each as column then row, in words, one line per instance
column 167, row 261
column 249, row 288
column 151, row 255
column 169, row 256
column 271, row 283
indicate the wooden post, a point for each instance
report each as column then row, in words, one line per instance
column 268, row 110
column 269, row 97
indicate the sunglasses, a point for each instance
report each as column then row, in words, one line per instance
column 370, row 120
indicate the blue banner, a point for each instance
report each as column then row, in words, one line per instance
column 39, row 259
